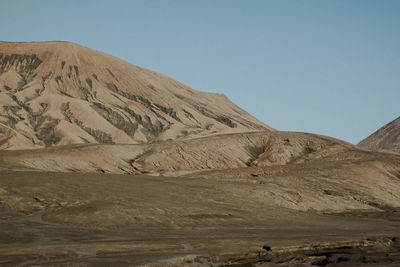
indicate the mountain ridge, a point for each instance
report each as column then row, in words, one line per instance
column 386, row 138
column 60, row 93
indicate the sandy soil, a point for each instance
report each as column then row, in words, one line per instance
column 120, row 220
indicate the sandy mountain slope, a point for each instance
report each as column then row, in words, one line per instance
column 218, row 152
column 284, row 169
column 386, row 138
column 59, row 93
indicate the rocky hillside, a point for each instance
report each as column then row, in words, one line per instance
column 386, row 138
column 59, row 93
column 218, row 152
column 296, row 171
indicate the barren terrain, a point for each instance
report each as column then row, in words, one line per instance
column 103, row 163
column 386, row 138
column 108, row 219
column 314, row 201
column 60, row 93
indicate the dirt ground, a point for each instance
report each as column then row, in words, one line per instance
column 67, row 219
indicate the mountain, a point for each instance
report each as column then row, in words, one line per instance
column 60, row 93
column 298, row 171
column 218, row 152
column 106, row 163
column 386, row 138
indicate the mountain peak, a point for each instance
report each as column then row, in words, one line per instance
column 385, row 138
column 60, row 93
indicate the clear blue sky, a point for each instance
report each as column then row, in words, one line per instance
column 327, row 67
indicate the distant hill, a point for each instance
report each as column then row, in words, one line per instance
column 386, row 138
column 60, row 93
